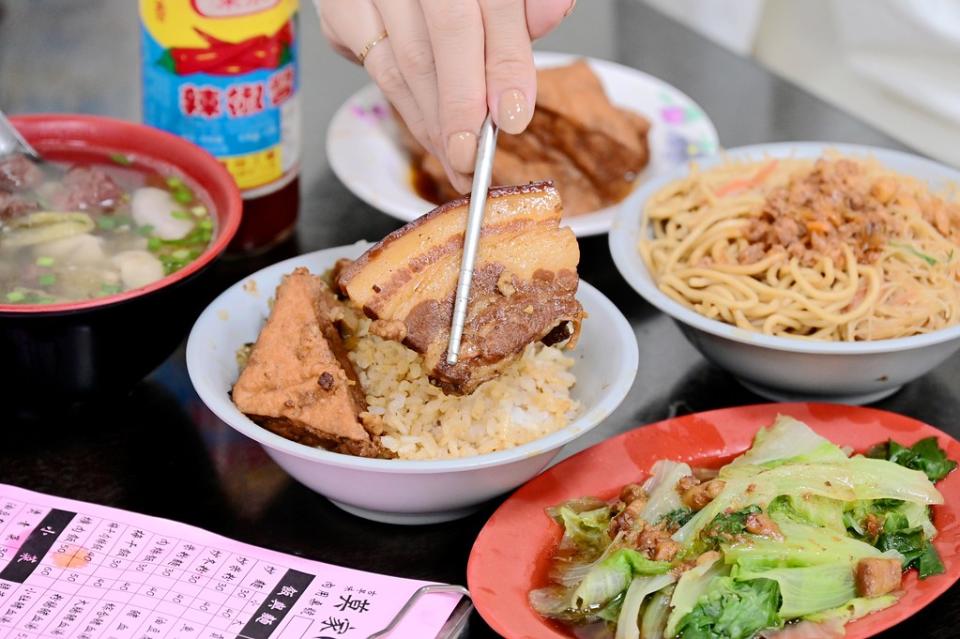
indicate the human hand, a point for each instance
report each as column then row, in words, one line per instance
column 444, row 63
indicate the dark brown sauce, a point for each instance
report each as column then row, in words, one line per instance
column 427, row 188
column 424, row 185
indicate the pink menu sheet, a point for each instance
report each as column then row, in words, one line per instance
column 70, row 569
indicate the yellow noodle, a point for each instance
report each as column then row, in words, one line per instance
column 696, row 231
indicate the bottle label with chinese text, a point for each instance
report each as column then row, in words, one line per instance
column 223, row 74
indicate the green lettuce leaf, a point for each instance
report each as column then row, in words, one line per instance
column 916, row 549
column 690, row 587
column 733, row 609
column 655, row 614
column 661, row 489
column 727, row 525
column 802, row 545
column 857, row 478
column 628, row 623
column 854, row 609
column 788, row 440
column 809, row 589
column 584, row 530
column 926, row 455
column 819, row 511
column 675, row 519
column 611, row 577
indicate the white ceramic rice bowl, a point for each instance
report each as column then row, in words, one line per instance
column 781, row 368
column 404, row 491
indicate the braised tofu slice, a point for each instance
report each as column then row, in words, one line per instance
column 298, row 381
column 524, row 286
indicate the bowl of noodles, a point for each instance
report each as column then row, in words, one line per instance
column 808, row 270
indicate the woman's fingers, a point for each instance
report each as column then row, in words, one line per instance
column 510, row 74
column 410, row 42
column 543, row 16
column 456, row 33
column 357, row 24
column 335, row 42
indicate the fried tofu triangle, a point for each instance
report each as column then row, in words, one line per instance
column 298, row 381
column 524, row 285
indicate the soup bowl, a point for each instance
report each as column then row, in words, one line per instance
column 404, row 491
column 55, row 355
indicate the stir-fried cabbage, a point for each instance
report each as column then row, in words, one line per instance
column 809, row 589
column 661, row 489
column 788, row 441
column 628, row 624
column 733, row 609
column 612, row 576
column 693, row 584
column 801, row 545
column 774, row 553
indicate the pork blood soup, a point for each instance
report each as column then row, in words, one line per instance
column 94, row 225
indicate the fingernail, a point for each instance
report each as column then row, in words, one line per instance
column 513, row 111
column 462, row 151
column 570, row 8
column 462, row 183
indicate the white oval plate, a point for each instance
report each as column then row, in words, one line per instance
column 365, row 154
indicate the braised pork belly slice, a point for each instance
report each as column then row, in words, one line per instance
column 574, row 115
column 590, row 148
column 524, row 286
column 298, row 381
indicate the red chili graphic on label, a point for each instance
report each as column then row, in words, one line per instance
column 232, row 58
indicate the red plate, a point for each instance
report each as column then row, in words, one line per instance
column 512, row 553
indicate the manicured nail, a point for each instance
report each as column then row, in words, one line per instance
column 513, row 111
column 462, row 183
column 570, row 8
column 462, row 151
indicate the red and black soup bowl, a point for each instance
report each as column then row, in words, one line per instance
column 59, row 354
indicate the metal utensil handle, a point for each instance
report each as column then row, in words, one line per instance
column 11, row 140
column 420, row 592
column 482, row 173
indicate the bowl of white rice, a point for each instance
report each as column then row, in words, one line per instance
column 452, row 453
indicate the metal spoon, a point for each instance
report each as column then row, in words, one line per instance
column 486, row 149
column 12, row 142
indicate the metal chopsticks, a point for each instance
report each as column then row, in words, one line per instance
column 486, row 149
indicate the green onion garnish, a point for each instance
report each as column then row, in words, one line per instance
column 145, row 230
column 16, row 296
column 108, row 288
column 45, row 260
column 107, row 222
column 923, row 256
column 206, row 223
column 154, row 243
column 47, row 279
column 180, row 254
column 180, row 215
column 174, row 182
column 199, row 210
column 121, row 159
column 182, row 196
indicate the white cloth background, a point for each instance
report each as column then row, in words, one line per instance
column 895, row 63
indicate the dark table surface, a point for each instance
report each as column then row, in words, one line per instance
column 158, row 450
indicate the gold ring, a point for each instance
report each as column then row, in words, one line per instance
column 368, row 47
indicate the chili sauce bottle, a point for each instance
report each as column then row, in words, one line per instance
column 223, row 74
